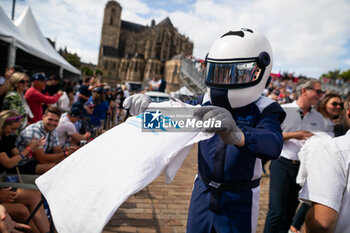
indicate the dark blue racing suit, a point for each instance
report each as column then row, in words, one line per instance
column 234, row 206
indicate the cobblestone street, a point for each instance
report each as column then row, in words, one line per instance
column 162, row 208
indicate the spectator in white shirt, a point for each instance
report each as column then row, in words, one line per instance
column 65, row 101
column 327, row 186
column 67, row 133
column 300, row 123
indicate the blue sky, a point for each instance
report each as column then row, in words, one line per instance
column 308, row 37
column 170, row 5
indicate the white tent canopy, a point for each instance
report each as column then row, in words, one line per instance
column 30, row 29
column 10, row 33
column 28, row 37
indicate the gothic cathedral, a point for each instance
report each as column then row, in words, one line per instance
column 134, row 52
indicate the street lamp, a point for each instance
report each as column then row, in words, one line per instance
column 13, row 9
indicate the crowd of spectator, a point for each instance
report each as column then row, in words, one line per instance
column 305, row 101
column 44, row 119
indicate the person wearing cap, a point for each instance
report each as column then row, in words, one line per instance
column 84, row 124
column 67, row 133
column 101, row 107
column 89, row 106
column 35, row 98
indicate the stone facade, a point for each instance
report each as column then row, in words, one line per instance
column 172, row 73
column 133, row 52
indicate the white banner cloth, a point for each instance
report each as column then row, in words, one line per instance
column 85, row 189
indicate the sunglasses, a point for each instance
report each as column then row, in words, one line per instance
column 335, row 104
column 24, row 81
column 319, row 91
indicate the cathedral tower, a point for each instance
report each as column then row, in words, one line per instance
column 134, row 52
column 110, row 31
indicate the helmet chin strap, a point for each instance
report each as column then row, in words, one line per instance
column 219, row 97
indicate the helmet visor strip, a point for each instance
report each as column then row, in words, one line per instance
column 233, row 74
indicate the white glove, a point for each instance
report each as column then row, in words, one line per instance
column 137, row 103
column 228, row 132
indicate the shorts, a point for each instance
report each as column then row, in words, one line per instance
column 28, row 168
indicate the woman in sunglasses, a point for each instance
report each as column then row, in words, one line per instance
column 14, row 100
column 19, row 202
column 331, row 107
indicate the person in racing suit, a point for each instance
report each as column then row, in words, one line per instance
column 225, row 196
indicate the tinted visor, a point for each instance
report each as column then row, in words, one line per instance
column 233, row 74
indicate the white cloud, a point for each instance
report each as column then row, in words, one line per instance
column 71, row 24
column 308, row 37
column 309, row 34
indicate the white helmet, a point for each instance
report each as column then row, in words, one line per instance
column 238, row 68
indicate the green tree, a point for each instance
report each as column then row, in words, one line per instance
column 98, row 71
column 86, row 71
column 73, row 59
column 345, row 75
column 332, row 74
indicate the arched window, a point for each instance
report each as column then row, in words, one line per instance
column 112, row 16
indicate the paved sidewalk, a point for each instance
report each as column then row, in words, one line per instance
column 162, row 208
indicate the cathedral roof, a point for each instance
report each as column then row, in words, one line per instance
column 132, row 26
column 166, row 22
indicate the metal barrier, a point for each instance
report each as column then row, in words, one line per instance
column 192, row 79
